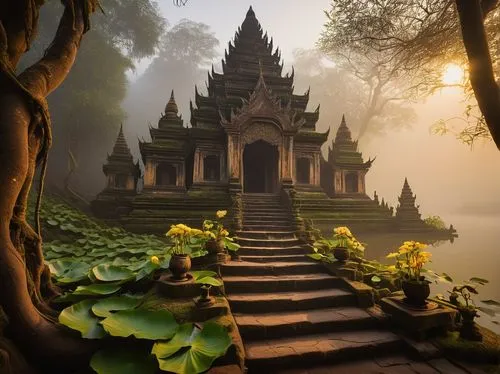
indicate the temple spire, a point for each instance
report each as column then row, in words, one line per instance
column 121, row 148
column 171, row 108
column 343, row 133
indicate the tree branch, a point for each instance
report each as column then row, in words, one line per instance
column 480, row 66
column 47, row 74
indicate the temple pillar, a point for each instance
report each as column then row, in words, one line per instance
column 234, row 160
column 181, row 175
column 361, row 182
column 198, row 167
column 287, row 159
column 316, row 170
column 149, row 173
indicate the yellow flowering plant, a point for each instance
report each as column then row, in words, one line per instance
column 410, row 260
column 183, row 239
column 342, row 237
column 215, row 230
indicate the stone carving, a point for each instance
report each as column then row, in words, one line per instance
column 262, row 131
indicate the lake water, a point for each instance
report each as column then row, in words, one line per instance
column 475, row 253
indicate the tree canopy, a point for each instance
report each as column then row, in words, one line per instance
column 185, row 52
column 401, row 47
column 86, row 110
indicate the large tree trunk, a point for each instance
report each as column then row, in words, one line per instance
column 481, row 72
column 24, row 143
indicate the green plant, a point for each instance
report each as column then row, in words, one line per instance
column 436, row 222
column 215, row 230
column 206, row 277
column 323, row 248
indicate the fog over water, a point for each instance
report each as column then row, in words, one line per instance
column 460, row 184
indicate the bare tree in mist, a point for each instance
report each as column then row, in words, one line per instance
column 186, row 50
column 401, row 48
column 340, row 92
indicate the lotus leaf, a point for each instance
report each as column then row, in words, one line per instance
column 123, row 361
column 79, row 317
column 69, row 271
column 97, row 289
column 105, row 307
column 141, row 323
column 206, row 346
column 111, row 273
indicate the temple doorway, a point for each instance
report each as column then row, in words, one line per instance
column 260, row 167
column 351, row 182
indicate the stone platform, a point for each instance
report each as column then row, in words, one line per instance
column 418, row 322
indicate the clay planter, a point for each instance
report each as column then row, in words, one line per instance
column 341, row 254
column 215, row 246
column 468, row 329
column 416, row 292
column 179, row 267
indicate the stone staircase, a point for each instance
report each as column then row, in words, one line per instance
column 289, row 311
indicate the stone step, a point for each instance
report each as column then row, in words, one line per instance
column 273, row 250
column 296, row 323
column 309, row 350
column 269, row 242
column 266, row 235
column 269, row 283
column 271, row 226
column 243, row 268
column 290, row 301
column 275, row 258
column 266, row 216
column 262, row 203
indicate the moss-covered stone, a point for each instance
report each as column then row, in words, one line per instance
column 486, row 351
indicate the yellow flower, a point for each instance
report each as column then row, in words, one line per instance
column 207, row 225
column 393, row 255
column 221, row 213
column 155, row 260
column 209, row 234
column 175, row 231
column 224, row 233
column 195, row 232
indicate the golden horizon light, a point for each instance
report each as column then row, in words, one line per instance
column 453, row 74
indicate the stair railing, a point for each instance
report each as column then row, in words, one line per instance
column 288, row 197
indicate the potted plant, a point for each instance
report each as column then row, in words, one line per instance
column 410, row 260
column 180, row 262
column 461, row 295
column 345, row 244
column 217, row 236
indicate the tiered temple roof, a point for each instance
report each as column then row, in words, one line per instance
column 120, row 160
column 407, row 210
column 344, row 151
column 170, row 137
column 249, row 56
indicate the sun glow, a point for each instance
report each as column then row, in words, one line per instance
column 453, row 74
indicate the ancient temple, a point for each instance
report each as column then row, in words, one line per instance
column 250, row 134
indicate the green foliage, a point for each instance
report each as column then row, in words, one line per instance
column 116, row 360
column 436, row 222
column 206, row 277
column 79, row 317
column 104, row 307
column 193, row 351
column 143, row 324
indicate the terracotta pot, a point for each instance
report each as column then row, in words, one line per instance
column 179, row 267
column 416, row 292
column 215, row 246
column 341, row 254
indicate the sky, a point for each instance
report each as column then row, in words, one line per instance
column 445, row 174
column 292, row 23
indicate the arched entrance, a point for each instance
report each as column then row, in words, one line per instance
column 260, row 167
